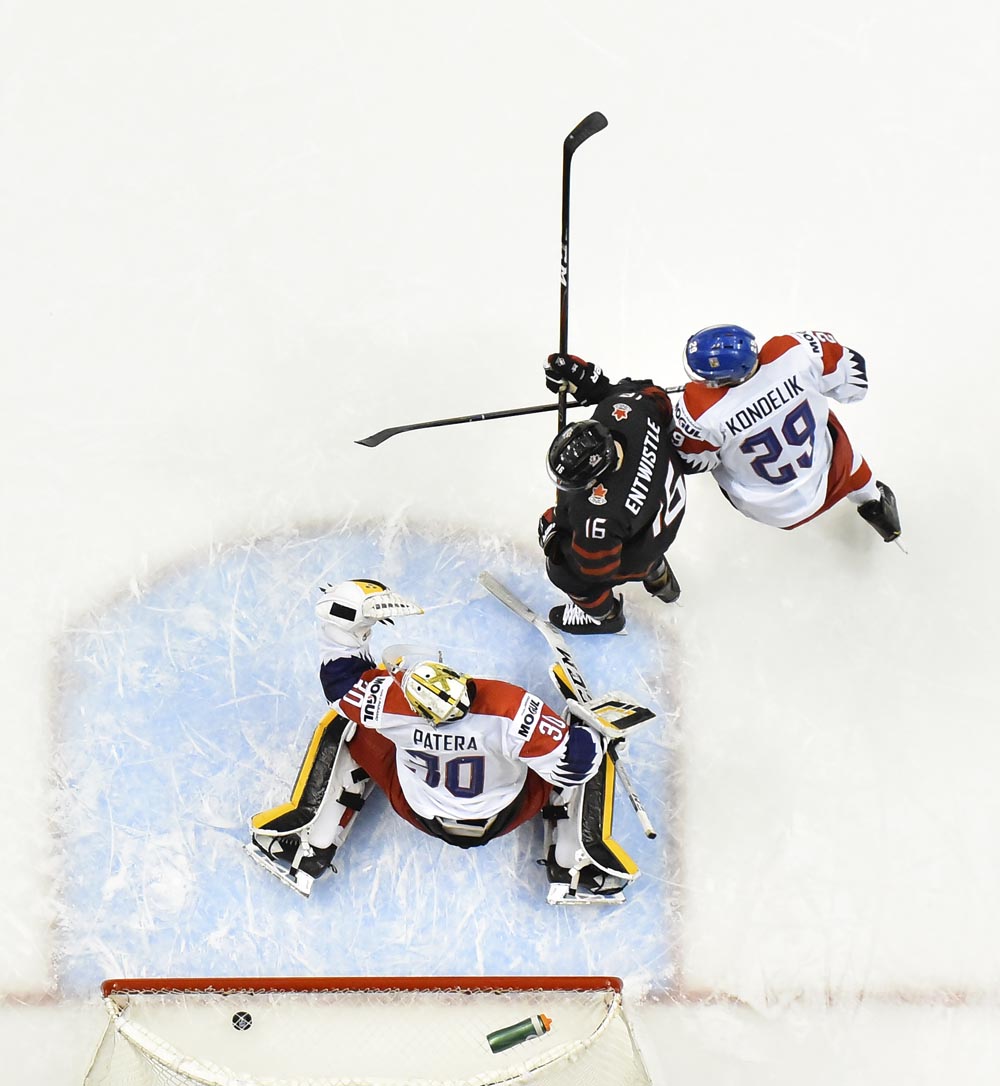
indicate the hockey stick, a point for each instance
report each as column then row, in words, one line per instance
column 383, row 435
column 589, row 126
column 601, row 713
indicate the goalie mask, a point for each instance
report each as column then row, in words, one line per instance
column 437, row 692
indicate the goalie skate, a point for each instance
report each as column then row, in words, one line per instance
column 298, row 880
column 564, row 893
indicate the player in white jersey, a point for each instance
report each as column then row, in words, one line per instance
column 760, row 421
column 463, row 759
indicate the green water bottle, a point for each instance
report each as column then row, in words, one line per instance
column 535, row 1026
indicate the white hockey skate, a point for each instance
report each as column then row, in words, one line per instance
column 563, row 893
column 296, row 878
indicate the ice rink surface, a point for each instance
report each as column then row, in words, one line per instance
column 187, row 710
column 235, row 238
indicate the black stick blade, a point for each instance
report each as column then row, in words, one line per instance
column 377, row 439
column 383, row 435
column 589, row 126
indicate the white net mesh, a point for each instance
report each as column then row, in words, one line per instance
column 386, row 1037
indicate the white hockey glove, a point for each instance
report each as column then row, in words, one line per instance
column 349, row 610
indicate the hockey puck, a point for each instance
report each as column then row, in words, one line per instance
column 242, row 1020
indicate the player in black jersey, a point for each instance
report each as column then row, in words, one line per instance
column 621, row 497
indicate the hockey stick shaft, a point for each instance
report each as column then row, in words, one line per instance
column 560, row 648
column 589, row 126
column 383, row 435
column 637, row 806
column 548, row 631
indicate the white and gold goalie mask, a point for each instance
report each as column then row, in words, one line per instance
column 437, row 692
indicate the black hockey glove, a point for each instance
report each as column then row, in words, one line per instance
column 547, row 531
column 587, row 383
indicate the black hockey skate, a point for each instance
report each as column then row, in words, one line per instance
column 572, row 619
column 882, row 515
column 662, row 583
column 277, row 856
column 320, row 861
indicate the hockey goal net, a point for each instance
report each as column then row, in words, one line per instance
column 366, row 1032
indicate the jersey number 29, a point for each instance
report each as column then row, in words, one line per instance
column 798, row 430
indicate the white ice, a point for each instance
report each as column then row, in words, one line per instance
column 236, row 237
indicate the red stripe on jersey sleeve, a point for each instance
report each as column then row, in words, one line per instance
column 659, row 396
column 549, row 733
column 775, row 347
column 395, row 701
column 690, row 445
column 349, row 709
column 832, row 354
column 698, row 398
column 494, row 697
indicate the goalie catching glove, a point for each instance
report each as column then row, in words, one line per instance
column 349, row 610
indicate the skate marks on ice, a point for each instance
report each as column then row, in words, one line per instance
column 188, row 706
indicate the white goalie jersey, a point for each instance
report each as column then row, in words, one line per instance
column 476, row 766
column 767, row 441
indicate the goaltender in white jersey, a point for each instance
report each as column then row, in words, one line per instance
column 471, row 767
column 761, row 423
column 462, row 759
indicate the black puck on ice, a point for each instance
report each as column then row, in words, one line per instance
column 242, row 1020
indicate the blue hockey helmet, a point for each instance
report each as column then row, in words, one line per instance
column 722, row 354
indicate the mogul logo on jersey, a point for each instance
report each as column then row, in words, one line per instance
column 530, row 709
column 681, row 423
column 814, row 340
column 599, row 495
column 370, row 705
column 620, row 412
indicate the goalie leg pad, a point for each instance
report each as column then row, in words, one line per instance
column 306, row 832
column 583, row 859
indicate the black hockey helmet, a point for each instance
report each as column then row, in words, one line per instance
column 580, row 455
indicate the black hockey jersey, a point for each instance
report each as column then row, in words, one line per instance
column 618, row 530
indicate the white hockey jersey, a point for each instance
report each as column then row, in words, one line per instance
column 767, row 441
column 474, row 767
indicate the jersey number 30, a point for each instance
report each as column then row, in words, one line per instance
column 464, row 776
column 798, row 430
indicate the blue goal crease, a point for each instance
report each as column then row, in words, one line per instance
column 187, row 709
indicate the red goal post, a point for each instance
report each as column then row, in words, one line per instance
column 364, row 1031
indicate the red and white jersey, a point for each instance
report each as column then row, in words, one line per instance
column 476, row 766
column 767, row 441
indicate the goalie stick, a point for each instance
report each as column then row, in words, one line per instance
column 611, row 714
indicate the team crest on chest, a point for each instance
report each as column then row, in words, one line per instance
column 620, row 412
column 599, row 495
